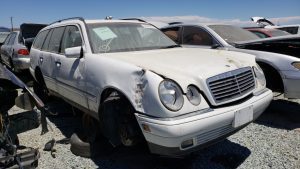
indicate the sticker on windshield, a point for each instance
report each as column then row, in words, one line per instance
column 104, row 33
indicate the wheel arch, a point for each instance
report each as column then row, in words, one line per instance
column 276, row 75
column 110, row 90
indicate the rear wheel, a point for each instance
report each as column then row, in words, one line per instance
column 39, row 86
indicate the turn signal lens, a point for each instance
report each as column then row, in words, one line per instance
column 23, row 52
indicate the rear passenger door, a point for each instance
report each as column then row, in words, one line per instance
column 45, row 62
column 71, row 70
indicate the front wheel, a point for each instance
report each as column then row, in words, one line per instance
column 118, row 123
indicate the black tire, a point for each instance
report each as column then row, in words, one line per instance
column 40, row 91
column 117, row 122
column 273, row 78
column 11, row 65
column 80, row 147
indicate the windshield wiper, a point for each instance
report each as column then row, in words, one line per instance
column 171, row 46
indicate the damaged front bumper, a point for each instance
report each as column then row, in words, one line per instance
column 182, row 135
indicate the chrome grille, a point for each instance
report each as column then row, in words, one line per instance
column 231, row 85
column 213, row 134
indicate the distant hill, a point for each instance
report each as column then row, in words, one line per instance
column 3, row 29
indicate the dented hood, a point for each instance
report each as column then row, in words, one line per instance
column 186, row 65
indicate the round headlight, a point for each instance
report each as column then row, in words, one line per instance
column 193, row 95
column 170, row 95
column 259, row 74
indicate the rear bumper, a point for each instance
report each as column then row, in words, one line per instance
column 21, row 63
column 291, row 84
column 167, row 135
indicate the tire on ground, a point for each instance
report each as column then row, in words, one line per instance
column 80, row 147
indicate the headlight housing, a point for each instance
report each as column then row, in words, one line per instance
column 259, row 74
column 193, row 95
column 296, row 65
column 170, row 95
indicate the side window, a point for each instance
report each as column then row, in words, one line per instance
column 196, row 36
column 12, row 39
column 39, row 40
column 55, row 40
column 47, row 40
column 172, row 33
column 7, row 40
column 72, row 38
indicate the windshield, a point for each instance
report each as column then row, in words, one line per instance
column 120, row 37
column 232, row 34
column 3, row 36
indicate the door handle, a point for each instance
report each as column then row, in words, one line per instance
column 41, row 59
column 58, row 64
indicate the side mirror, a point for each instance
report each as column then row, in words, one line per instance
column 25, row 101
column 74, row 52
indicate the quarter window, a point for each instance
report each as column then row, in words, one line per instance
column 72, row 38
column 40, row 39
column 47, row 40
column 196, row 36
column 55, row 40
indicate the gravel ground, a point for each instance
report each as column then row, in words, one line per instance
column 272, row 141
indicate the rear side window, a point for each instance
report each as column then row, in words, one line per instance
column 7, row 40
column 72, row 38
column 55, row 40
column 40, row 39
column 12, row 39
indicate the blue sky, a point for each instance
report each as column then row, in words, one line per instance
column 42, row 11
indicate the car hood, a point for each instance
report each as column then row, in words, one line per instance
column 186, row 65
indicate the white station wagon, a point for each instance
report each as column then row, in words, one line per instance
column 140, row 85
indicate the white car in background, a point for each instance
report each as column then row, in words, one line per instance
column 282, row 71
column 265, row 23
column 140, row 84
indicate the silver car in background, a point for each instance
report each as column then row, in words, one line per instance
column 14, row 53
column 16, row 47
column 282, row 71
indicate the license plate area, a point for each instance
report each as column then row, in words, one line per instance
column 243, row 116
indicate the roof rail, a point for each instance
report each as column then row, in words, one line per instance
column 72, row 18
column 136, row 19
column 174, row 23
